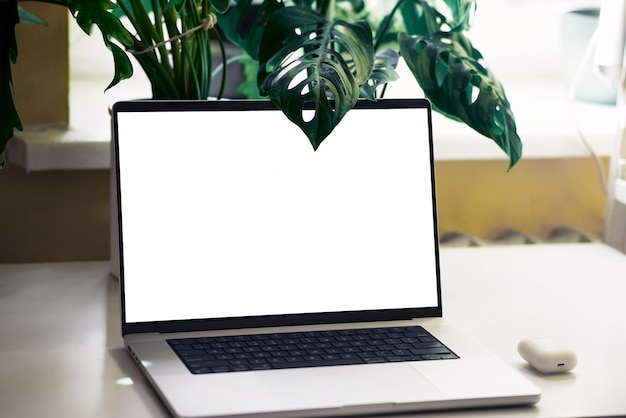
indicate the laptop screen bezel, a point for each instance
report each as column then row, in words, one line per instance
column 266, row 320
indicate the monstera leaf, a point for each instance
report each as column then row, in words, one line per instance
column 244, row 22
column 384, row 71
column 462, row 13
column 307, row 62
column 449, row 70
column 98, row 12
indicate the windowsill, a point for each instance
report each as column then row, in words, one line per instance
column 85, row 144
column 545, row 120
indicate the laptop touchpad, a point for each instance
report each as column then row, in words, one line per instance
column 349, row 385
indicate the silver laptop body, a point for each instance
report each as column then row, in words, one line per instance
column 231, row 224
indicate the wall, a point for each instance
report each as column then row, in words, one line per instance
column 53, row 215
column 41, row 73
column 538, row 195
column 64, row 215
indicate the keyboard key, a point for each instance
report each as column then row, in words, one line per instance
column 220, row 369
column 260, row 366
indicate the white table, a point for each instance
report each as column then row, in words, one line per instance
column 61, row 354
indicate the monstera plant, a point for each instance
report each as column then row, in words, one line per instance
column 322, row 55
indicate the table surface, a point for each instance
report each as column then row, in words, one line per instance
column 61, row 353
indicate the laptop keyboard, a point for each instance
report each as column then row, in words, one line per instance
column 308, row 349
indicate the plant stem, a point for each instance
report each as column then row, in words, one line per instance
column 386, row 24
column 170, row 18
column 158, row 18
column 224, row 63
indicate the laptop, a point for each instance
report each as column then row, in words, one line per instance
column 261, row 278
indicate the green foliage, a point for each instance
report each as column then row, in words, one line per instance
column 249, row 87
column 313, row 58
column 178, row 66
column 384, row 71
column 244, row 23
column 98, row 13
column 308, row 62
column 450, row 72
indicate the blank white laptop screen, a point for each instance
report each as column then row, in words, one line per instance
column 232, row 214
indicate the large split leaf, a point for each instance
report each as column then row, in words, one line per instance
column 420, row 17
column 384, row 71
column 9, row 119
column 98, row 12
column 244, row 22
column 462, row 14
column 309, row 62
column 449, row 70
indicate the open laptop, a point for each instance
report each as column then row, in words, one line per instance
column 258, row 276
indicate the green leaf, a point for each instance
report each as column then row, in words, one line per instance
column 220, row 5
column 119, row 11
column 357, row 6
column 177, row 4
column 9, row 120
column 249, row 87
column 123, row 67
column 29, row 18
column 308, row 62
column 244, row 22
column 385, row 64
column 420, row 18
column 466, row 91
column 98, row 12
column 462, row 14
